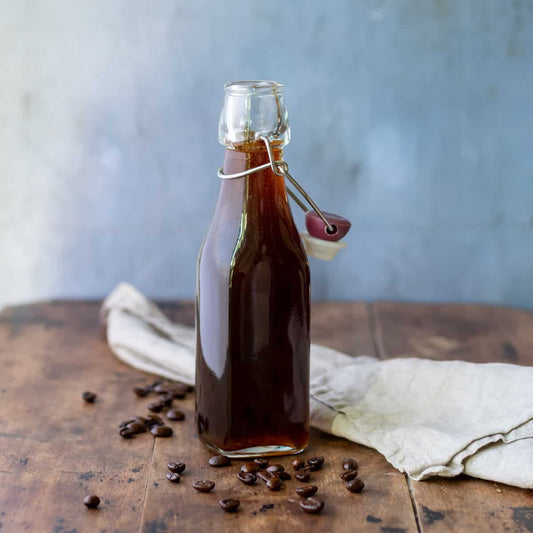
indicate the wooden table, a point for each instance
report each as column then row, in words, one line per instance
column 55, row 448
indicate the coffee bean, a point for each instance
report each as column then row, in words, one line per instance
column 174, row 477
column 126, row 432
column 356, row 485
column 160, row 387
column 297, row 464
column 274, row 483
column 248, row 478
column 261, row 462
column 264, row 476
column 349, row 464
column 275, row 468
column 161, row 431
column 178, row 390
column 176, row 467
column 124, row 423
column 348, row 475
column 141, row 392
column 250, row 467
column 89, row 396
column 303, row 475
column 92, row 501
column 315, row 463
column 155, row 384
column 175, row 414
column 156, row 407
column 312, row 505
column 307, row 490
column 154, row 420
column 284, row 476
column 219, row 460
column 203, row 485
column 230, row 505
column 166, row 399
column 136, row 427
column 133, row 419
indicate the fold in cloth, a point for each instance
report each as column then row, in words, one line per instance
column 428, row 418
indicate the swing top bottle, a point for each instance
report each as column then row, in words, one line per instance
column 252, row 304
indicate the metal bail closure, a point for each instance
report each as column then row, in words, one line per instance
column 324, row 230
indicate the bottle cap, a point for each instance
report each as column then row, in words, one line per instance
column 316, row 227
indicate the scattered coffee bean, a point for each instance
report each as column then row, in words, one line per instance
column 166, row 399
column 178, row 390
column 160, row 387
column 203, row 485
column 307, row 490
column 161, row 431
column 349, row 464
column 315, row 463
column 356, row 485
column 176, row 467
column 136, row 427
column 230, row 505
column 312, row 505
column 284, row 476
column 141, row 392
column 126, row 433
column 124, row 423
column 250, row 467
column 297, row 464
column 174, row 477
column 348, row 475
column 275, row 468
column 303, row 475
column 155, row 384
column 264, row 476
column 248, row 478
column 261, row 462
column 154, row 420
column 92, row 501
column 175, row 414
column 155, row 407
column 274, row 483
column 131, row 420
column 219, row 460
column 89, row 396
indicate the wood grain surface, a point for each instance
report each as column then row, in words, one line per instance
column 55, row 448
column 471, row 333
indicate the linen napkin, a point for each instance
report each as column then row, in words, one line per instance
column 428, row 418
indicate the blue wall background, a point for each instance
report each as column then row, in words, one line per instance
column 412, row 117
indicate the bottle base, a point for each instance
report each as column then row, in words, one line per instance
column 256, row 451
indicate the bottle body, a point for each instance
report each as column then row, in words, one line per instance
column 252, row 315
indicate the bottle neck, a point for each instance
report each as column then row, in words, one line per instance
column 249, row 155
column 253, row 109
column 262, row 193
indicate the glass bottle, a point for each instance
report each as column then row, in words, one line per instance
column 252, row 304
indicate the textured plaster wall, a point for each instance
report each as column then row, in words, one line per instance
column 413, row 118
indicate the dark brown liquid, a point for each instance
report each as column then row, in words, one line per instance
column 252, row 362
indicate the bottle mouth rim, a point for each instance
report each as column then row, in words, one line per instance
column 253, row 87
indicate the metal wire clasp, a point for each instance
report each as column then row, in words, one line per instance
column 281, row 168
